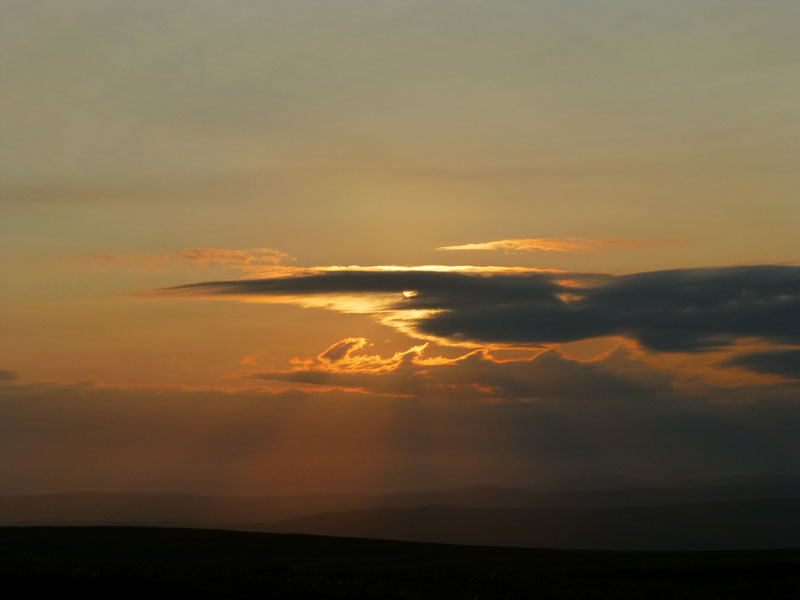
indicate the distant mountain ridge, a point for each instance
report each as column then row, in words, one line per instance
column 733, row 515
column 754, row 524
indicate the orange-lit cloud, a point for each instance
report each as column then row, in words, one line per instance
column 266, row 263
column 348, row 357
column 253, row 261
column 475, row 375
column 749, row 362
column 621, row 369
column 250, row 359
column 240, row 259
column 571, row 244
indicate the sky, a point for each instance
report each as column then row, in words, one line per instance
column 267, row 247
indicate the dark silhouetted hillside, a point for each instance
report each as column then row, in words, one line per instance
column 131, row 562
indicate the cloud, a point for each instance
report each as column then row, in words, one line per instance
column 250, row 359
column 342, row 350
column 571, row 244
column 347, row 365
column 682, row 310
column 254, row 261
column 8, row 375
column 241, row 259
column 476, row 375
column 783, row 362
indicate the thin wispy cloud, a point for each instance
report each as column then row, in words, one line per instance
column 253, row 261
column 245, row 259
column 570, row 244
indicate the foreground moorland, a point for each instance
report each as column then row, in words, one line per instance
column 128, row 561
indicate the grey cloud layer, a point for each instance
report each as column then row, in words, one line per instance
column 774, row 362
column 8, row 375
column 674, row 310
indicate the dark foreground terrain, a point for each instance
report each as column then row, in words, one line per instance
column 120, row 561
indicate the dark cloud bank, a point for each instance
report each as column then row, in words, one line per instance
column 683, row 310
column 774, row 362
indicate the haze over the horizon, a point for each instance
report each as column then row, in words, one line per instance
column 266, row 247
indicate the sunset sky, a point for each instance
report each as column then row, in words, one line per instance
column 261, row 247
